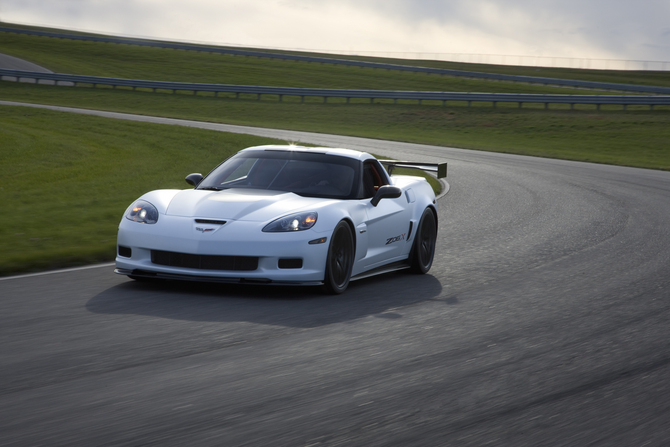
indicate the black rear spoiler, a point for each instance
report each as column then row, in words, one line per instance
column 439, row 168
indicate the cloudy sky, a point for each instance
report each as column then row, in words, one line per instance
column 591, row 29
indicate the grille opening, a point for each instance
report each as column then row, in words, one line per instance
column 125, row 252
column 290, row 263
column 204, row 262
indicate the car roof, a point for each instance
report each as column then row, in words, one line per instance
column 349, row 153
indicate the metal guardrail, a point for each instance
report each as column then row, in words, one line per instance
column 294, row 57
column 395, row 95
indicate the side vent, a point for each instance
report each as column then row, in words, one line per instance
column 409, row 194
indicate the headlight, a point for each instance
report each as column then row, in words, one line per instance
column 293, row 222
column 143, row 212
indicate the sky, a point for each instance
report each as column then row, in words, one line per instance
column 636, row 30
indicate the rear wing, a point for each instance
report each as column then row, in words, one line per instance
column 439, row 168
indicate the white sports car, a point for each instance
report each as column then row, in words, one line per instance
column 284, row 215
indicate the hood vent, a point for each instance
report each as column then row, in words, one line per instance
column 210, row 222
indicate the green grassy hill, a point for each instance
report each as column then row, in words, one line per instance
column 68, row 56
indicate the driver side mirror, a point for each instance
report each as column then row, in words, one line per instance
column 194, row 179
column 386, row 192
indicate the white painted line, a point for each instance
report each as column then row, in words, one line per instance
column 53, row 272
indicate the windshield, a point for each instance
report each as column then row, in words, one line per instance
column 304, row 173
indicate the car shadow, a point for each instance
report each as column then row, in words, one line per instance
column 301, row 307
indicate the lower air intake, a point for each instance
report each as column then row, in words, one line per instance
column 204, row 262
column 290, row 263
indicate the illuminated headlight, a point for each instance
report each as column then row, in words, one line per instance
column 294, row 222
column 143, row 212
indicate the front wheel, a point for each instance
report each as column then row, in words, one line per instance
column 340, row 259
column 424, row 243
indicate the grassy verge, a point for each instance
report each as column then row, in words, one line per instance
column 638, row 138
column 66, row 179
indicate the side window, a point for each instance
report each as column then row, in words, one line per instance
column 373, row 178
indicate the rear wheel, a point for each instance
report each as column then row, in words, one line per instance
column 340, row 259
column 424, row 243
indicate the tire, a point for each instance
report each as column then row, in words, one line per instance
column 425, row 239
column 340, row 260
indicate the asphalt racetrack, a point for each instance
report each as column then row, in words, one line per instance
column 545, row 320
column 14, row 63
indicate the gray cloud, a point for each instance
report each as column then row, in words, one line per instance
column 597, row 29
column 627, row 29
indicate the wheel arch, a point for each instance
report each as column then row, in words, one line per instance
column 352, row 228
column 432, row 207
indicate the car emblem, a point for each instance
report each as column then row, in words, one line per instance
column 391, row 240
column 204, row 230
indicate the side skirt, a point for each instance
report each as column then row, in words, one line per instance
column 399, row 265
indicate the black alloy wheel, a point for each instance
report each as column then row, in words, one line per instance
column 424, row 243
column 340, row 259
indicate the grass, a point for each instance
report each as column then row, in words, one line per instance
column 638, row 138
column 70, row 56
column 66, row 179
column 135, row 62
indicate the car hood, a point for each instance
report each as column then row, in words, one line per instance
column 237, row 204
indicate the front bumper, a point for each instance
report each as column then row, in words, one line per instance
column 182, row 235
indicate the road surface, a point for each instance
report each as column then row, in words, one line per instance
column 544, row 321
